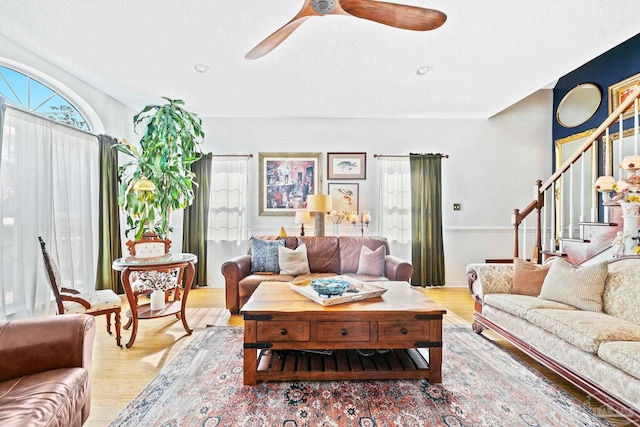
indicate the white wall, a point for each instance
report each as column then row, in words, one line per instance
column 492, row 168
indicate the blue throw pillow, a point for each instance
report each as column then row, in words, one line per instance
column 264, row 255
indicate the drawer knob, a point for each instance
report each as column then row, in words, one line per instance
column 283, row 331
column 343, row 332
column 404, row 331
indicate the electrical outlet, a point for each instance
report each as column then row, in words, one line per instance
column 456, row 206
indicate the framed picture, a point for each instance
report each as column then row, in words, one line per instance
column 346, row 165
column 286, row 179
column 344, row 196
column 619, row 92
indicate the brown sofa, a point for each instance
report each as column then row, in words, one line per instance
column 328, row 256
column 45, row 371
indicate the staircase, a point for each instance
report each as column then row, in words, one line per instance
column 569, row 219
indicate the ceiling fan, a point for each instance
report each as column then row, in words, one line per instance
column 392, row 14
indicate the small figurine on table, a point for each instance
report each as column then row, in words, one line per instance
column 618, row 244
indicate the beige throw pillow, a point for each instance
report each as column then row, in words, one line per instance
column 293, row 261
column 581, row 287
column 528, row 277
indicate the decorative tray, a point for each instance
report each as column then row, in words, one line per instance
column 358, row 291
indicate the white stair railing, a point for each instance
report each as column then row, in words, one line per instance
column 568, row 209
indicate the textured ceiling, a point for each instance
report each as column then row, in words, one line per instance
column 487, row 56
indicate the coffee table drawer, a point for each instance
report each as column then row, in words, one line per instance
column 283, row 331
column 344, row 331
column 402, row 330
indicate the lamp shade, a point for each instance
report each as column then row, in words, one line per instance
column 319, row 203
column 144, row 184
column 622, row 185
column 605, row 183
column 302, row 217
column 630, row 162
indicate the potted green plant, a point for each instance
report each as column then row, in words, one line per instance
column 159, row 179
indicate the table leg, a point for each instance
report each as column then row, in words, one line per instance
column 250, row 370
column 250, row 366
column 190, row 274
column 133, row 305
column 435, row 365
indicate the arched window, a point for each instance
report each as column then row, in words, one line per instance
column 27, row 93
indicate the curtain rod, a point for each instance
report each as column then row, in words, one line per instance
column 232, row 155
column 378, row 156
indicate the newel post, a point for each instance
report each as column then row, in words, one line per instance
column 537, row 251
column 515, row 220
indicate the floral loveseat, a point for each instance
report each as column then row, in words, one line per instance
column 366, row 258
column 597, row 348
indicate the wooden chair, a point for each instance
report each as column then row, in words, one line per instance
column 71, row 301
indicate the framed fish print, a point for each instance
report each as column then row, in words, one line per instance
column 346, row 165
column 286, row 179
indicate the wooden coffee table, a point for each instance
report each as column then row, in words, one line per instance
column 283, row 330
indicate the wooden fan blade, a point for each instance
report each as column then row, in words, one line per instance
column 395, row 15
column 274, row 40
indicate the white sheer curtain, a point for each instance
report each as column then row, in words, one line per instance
column 228, row 219
column 395, row 204
column 49, row 176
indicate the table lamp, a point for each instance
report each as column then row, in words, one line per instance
column 319, row 204
column 302, row 217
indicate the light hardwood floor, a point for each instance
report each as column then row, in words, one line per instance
column 118, row 375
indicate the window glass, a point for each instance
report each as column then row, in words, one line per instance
column 29, row 94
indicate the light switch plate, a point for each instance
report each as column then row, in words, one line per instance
column 456, row 206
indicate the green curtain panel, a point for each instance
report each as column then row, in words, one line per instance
column 426, row 219
column 196, row 218
column 110, row 244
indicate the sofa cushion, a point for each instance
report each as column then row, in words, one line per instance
column 290, row 242
column 519, row 305
column 584, row 329
column 256, row 279
column 528, row 277
column 621, row 297
column 581, row 287
column 370, row 262
column 264, row 255
column 323, row 254
column 52, row 398
column 622, row 354
column 350, row 247
column 293, row 261
column 305, row 279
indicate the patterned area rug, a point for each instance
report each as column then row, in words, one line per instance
column 483, row 385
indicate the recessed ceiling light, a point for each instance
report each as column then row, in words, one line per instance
column 200, row 68
column 424, row 70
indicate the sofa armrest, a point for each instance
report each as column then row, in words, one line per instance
column 397, row 269
column 234, row 270
column 484, row 279
column 30, row 346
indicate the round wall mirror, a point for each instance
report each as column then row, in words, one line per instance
column 579, row 105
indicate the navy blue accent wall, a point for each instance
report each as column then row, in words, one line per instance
column 609, row 68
